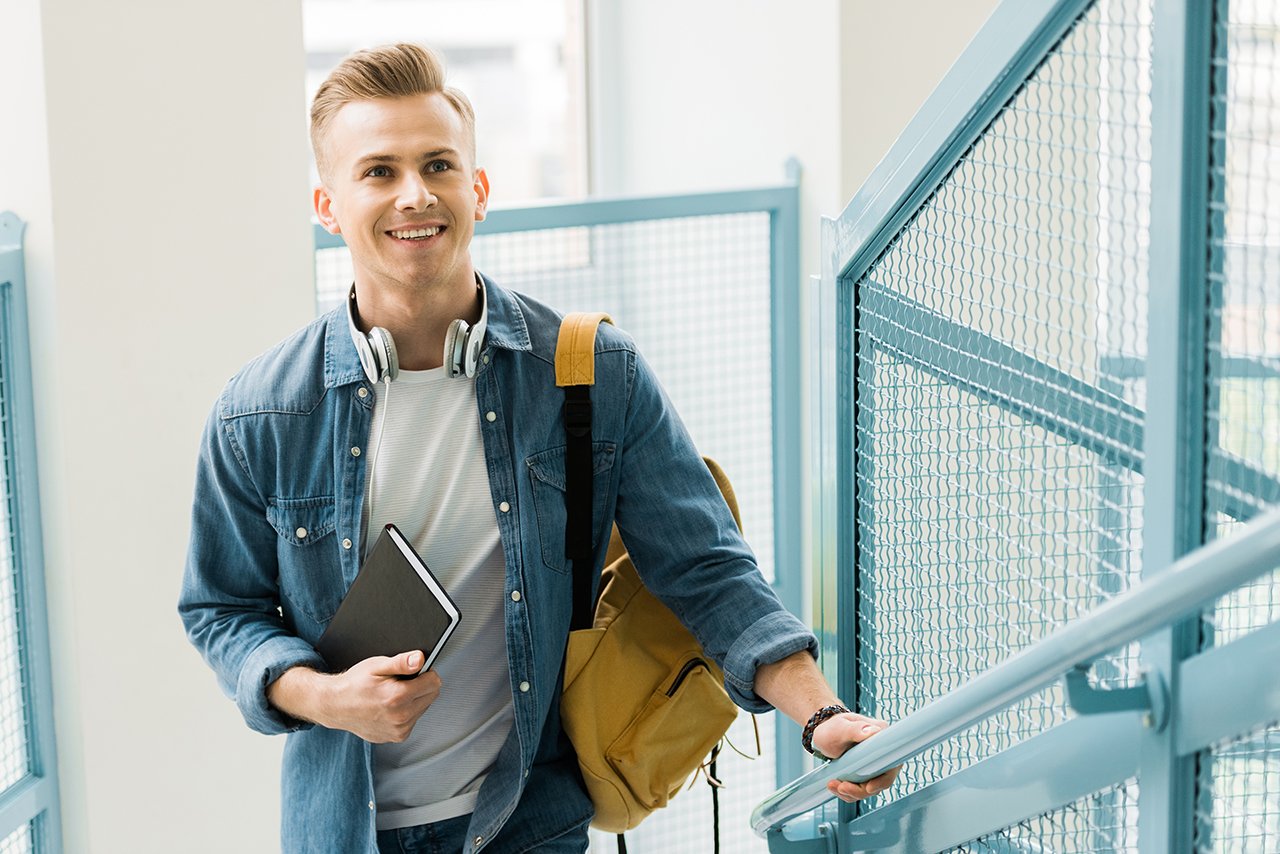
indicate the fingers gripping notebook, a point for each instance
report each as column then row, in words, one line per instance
column 395, row 605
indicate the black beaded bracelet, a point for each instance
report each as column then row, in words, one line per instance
column 806, row 740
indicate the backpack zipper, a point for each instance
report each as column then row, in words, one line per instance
column 684, row 671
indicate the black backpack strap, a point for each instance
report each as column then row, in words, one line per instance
column 578, row 499
column 715, row 798
column 576, row 373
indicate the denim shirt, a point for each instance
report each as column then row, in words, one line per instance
column 276, row 535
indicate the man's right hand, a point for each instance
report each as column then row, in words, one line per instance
column 379, row 699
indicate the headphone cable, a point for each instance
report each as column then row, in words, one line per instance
column 373, row 463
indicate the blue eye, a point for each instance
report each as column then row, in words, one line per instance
column 437, row 166
column 378, row 172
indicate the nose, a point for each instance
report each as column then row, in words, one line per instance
column 414, row 194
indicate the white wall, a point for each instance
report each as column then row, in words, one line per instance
column 892, row 56
column 715, row 95
column 163, row 177
column 161, row 167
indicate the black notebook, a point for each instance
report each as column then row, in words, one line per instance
column 395, row 605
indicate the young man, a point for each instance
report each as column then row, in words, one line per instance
column 323, row 440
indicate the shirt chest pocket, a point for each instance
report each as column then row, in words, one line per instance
column 546, row 470
column 307, row 554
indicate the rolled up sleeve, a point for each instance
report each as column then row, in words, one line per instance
column 230, row 598
column 261, row 667
column 688, row 550
column 771, row 638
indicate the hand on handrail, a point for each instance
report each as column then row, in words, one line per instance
column 837, row 734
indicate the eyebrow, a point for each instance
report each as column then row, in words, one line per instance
column 393, row 158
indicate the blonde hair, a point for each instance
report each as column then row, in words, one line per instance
column 387, row 71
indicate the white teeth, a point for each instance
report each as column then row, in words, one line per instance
column 415, row 234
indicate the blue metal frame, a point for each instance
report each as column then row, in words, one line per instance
column 788, row 461
column 1001, row 56
column 1174, row 441
column 1213, row 701
column 1086, row 755
column 35, row 798
column 782, row 204
column 996, row 373
column 1159, row 601
column 1189, row 699
column 1076, row 758
column 782, row 201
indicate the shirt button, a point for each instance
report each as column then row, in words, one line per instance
column 362, row 391
column 491, row 417
column 524, row 687
column 371, row 806
column 478, row 841
column 346, row 544
column 504, row 507
column 302, row 533
column 515, row 595
column 485, row 358
column 355, row 452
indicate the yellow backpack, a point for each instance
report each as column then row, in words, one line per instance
column 642, row 704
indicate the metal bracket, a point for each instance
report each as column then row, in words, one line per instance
column 824, row 843
column 1150, row 695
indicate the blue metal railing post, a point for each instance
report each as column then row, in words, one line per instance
column 1174, row 436
column 788, row 459
column 1217, row 364
column 855, row 543
column 34, row 799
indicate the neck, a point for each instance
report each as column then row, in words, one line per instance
column 418, row 318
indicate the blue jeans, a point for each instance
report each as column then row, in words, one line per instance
column 449, row 836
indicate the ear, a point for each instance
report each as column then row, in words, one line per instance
column 323, row 203
column 482, row 193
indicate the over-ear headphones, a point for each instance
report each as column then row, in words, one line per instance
column 377, row 349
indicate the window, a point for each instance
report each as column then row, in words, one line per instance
column 521, row 62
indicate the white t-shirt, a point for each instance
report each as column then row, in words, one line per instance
column 427, row 474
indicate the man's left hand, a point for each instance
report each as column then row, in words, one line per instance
column 837, row 734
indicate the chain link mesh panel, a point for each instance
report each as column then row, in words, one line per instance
column 21, row 841
column 1238, row 804
column 999, row 415
column 695, row 293
column 1103, row 823
column 14, row 749
column 1238, row 808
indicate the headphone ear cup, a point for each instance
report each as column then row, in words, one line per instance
column 454, row 341
column 471, row 358
column 384, row 354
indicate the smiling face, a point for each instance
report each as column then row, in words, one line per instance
column 403, row 191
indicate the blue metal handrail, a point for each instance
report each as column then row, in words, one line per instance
column 1188, row 585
